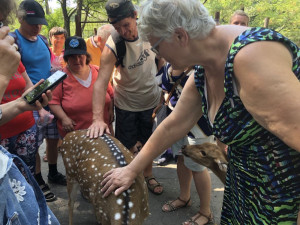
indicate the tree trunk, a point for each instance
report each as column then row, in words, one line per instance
column 47, row 7
column 78, row 18
column 66, row 16
column 217, row 18
column 266, row 22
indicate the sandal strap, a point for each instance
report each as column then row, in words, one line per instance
column 152, row 178
column 173, row 208
column 209, row 218
column 185, row 202
column 199, row 214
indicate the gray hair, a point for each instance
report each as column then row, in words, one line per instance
column 160, row 18
column 105, row 31
column 7, row 10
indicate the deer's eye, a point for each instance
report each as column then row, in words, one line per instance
column 203, row 153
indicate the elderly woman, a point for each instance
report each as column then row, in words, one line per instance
column 248, row 90
column 72, row 99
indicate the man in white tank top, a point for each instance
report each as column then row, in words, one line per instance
column 136, row 90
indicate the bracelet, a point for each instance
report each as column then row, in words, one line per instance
column 0, row 113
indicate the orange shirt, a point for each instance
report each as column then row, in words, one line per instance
column 76, row 100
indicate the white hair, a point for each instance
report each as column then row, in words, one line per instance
column 105, row 31
column 161, row 18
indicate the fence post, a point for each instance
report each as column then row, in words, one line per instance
column 266, row 22
column 217, row 18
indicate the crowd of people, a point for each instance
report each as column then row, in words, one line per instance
column 234, row 86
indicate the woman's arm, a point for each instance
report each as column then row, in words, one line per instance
column 9, row 59
column 186, row 113
column 67, row 123
column 14, row 108
column 269, row 89
column 27, row 80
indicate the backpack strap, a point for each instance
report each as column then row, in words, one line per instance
column 17, row 41
column 120, row 48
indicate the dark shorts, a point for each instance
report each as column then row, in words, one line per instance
column 133, row 126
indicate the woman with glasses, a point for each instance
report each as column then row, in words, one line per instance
column 247, row 88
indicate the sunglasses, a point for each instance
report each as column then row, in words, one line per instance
column 154, row 47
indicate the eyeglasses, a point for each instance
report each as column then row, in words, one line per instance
column 154, row 47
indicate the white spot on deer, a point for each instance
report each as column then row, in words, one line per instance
column 130, row 204
column 119, row 201
column 133, row 215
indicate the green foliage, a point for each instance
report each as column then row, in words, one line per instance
column 284, row 15
column 55, row 19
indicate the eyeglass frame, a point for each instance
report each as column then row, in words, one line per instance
column 153, row 48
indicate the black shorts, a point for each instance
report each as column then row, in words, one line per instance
column 133, row 126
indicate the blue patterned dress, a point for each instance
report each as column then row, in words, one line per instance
column 263, row 178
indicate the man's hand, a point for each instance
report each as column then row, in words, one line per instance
column 98, row 128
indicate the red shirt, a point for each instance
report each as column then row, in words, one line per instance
column 23, row 121
column 76, row 100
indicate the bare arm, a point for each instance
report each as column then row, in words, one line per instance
column 14, row 108
column 42, row 112
column 98, row 126
column 9, row 59
column 186, row 113
column 27, row 80
column 270, row 90
column 67, row 123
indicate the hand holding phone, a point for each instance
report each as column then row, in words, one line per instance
column 48, row 84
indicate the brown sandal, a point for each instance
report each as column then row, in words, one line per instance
column 173, row 208
column 152, row 187
column 199, row 214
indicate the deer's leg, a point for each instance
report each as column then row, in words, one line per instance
column 72, row 187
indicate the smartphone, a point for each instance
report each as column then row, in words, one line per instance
column 48, row 84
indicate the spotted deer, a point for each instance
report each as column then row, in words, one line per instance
column 86, row 161
column 209, row 155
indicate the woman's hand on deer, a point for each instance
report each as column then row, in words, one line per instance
column 117, row 181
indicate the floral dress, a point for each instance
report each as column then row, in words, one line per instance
column 263, row 177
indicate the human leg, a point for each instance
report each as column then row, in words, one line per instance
column 52, row 138
column 185, row 178
column 144, row 126
column 203, row 186
column 49, row 196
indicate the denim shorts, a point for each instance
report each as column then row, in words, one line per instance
column 188, row 162
column 133, row 126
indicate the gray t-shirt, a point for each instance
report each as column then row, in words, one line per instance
column 135, row 86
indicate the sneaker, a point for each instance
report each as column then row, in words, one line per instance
column 58, row 178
